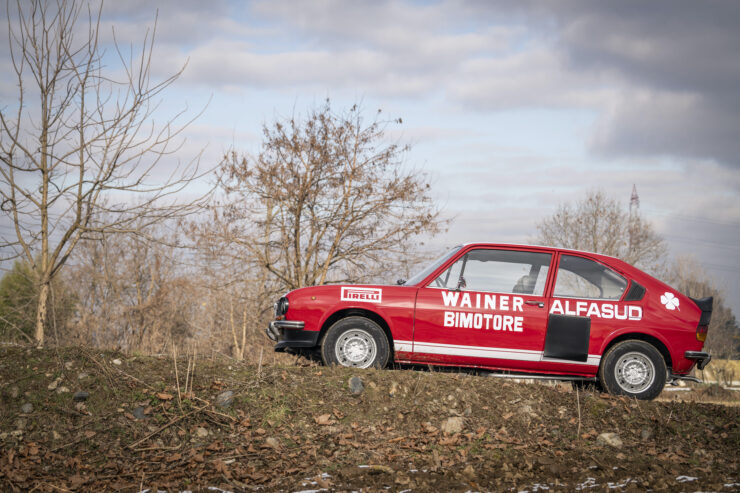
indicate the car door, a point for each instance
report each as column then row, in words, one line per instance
column 587, row 304
column 488, row 308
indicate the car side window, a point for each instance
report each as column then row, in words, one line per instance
column 580, row 277
column 498, row 271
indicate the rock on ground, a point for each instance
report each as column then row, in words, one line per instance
column 80, row 396
column 356, row 387
column 611, row 439
column 225, row 399
column 453, row 425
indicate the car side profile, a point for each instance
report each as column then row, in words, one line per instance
column 515, row 309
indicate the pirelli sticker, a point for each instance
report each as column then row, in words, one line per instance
column 367, row 295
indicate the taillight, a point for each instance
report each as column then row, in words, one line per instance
column 701, row 333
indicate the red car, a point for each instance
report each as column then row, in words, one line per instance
column 516, row 309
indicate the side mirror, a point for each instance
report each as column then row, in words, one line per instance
column 401, row 282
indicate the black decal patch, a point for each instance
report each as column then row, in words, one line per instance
column 567, row 337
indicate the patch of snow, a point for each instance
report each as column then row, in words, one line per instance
column 588, row 484
column 537, row 487
column 621, row 484
column 685, row 479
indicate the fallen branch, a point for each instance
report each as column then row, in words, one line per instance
column 147, row 449
column 164, row 427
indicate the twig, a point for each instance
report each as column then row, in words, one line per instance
column 106, row 372
column 68, row 444
column 76, row 414
column 259, row 366
column 158, row 448
column 230, row 418
column 187, row 374
column 53, row 486
column 192, row 378
column 578, row 406
column 158, row 430
column 177, row 377
column 11, row 324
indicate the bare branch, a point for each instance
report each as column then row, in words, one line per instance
column 93, row 139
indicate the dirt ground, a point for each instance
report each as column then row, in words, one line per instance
column 146, row 426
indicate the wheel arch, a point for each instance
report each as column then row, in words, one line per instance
column 650, row 339
column 358, row 312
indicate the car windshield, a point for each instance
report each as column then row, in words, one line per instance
column 432, row 267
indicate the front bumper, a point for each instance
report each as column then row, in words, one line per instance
column 702, row 359
column 290, row 334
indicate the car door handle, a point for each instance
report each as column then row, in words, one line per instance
column 538, row 304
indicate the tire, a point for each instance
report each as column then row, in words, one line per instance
column 356, row 342
column 633, row 368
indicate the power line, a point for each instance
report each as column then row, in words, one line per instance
column 723, row 268
column 699, row 219
column 682, row 239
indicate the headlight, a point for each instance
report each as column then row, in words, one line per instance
column 281, row 307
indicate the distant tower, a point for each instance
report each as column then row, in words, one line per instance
column 634, row 200
column 633, row 219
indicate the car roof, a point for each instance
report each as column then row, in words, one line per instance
column 539, row 247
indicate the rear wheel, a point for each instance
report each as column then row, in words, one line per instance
column 355, row 342
column 633, row 368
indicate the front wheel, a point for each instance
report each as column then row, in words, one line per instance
column 355, row 342
column 633, row 368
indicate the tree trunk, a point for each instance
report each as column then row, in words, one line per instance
column 41, row 310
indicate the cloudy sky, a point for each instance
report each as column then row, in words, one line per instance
column 512, row 107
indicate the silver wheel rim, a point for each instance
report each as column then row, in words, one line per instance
column 356, row 348
column 635, row 372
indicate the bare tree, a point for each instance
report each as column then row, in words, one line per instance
column 327, row 199
column 237, row 294
column 600, row 224
column 723, row 337
column 131, row 293
column 81, row 139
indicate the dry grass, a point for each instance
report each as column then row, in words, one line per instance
column 291, row 423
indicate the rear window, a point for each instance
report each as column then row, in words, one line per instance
column 580, row 277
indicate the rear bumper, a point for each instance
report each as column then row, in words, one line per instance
column 290, row 334
column 702, row 359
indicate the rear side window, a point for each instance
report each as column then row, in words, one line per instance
column 580, row 277
column 498, row 271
